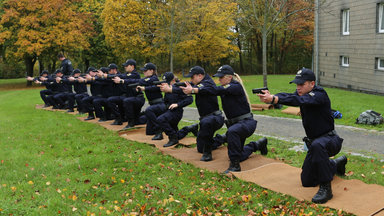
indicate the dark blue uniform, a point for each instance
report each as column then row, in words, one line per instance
column 66, row 67
column 156, row 104
column 171, row 117
column 211, row 118
column 44, row 93
column 87, row 102
column 240, row 121
column 63, row 88
column 116, row 103
column 322, row 141
column 79, row 89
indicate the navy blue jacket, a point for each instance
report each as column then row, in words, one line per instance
column 315, row 108
column 152, row 92
column 96, row 87
column 129, row 92
column 182, row 100
column 233, row 99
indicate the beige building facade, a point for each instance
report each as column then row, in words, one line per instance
column 351, row 44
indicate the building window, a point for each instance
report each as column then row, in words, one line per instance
column 380, row 64
column 381, row 18
column 344, row 61
column 345, row 21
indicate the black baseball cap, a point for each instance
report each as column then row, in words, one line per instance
column 104, row 69
column 168, row 76
column 224, row 70
column 195, row 70
column 91, row 69
column 112, row 66
column 58, row 71
column 129, row 62
column 44, row 72
column 148, row 66
column 303, row 75
column 76, row 71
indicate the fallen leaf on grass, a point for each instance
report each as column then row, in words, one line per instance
column 349, row 173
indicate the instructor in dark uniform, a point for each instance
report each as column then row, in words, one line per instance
column 66, row 65
column 322, row 140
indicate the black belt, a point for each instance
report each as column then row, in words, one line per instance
column 238, row 118
column 156, row 101
column 217, row 112
column 308, row 141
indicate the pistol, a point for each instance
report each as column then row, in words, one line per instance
column 259, row 90
column 159, row 82
column 180, row 84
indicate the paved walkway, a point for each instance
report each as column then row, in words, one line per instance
column 355, row 139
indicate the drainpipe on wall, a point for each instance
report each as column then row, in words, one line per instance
column 316, row 40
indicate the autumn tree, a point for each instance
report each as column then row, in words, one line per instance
column 31, row 29
column 187, row 30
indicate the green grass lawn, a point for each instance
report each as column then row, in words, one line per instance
column 349, row 103
column 52, row 163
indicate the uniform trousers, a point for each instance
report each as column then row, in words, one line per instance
column 169, row 120
column 79, row 98
column 43, row 95
column 132, row 107
column 236, row 136
column 115, row 104
column 152, row 112
column 317, row 167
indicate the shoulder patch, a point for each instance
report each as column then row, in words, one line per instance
column 129, row 74
column 226, row 86
column 311, row 93
column 200, row 85
column 69, row 62
column 147, row 79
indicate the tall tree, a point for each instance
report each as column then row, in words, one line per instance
column 191, row 31
column 32, row 28
column 265, row 16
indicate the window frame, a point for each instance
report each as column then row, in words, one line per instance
column 380, row 15
column 378, row 65
column 345, row 21
column 343, row 61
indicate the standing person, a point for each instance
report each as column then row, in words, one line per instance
column 240, row 122
column 322, row 140
column 171, row 117
column 66, row 65
column 211, row 119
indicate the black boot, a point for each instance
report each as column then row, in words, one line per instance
column 234, row 166
column 117, row 122
column 207, row 156
column 207, row 153
column 261, row 145
column 324, row 194
column 70, row 110
column 131, row 124
column 340, row 165
column 158, row 135
column 172, row 141
column 102, row 119
column 45, row 106
column 90, row 117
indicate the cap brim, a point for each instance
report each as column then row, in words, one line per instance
column 297, row 81
column 219, row 75
column 125, row 65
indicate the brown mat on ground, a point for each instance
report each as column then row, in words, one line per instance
column 350, row 195
column 139, row 136
column 292, row 111
column 261, row 107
